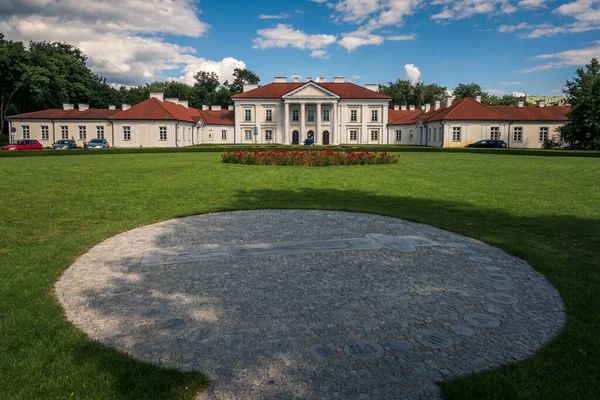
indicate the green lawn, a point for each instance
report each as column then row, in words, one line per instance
column 543, row 209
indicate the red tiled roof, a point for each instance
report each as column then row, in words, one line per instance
column 466, row 109
column 346, row 90
column 533, row 113
column 91, row 113
column 154, row 109
column 403, row 117
column 222, row 117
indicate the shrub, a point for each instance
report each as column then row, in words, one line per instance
column 323, row 158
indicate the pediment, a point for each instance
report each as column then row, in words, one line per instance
column 309, row 91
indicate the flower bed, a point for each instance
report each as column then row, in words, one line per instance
column 320, row 158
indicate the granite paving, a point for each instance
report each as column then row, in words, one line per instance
column 301, row 304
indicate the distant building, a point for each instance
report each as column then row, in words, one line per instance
column 283, row 112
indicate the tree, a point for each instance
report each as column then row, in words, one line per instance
column 241, row 77
column 403, row 92
column 468, row 90
column 582, row 131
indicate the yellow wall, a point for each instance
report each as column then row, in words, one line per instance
column 72, row 127
column 531, row 133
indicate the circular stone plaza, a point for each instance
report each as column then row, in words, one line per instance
column 297, row 304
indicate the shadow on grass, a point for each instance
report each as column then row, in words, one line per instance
column 564, row 248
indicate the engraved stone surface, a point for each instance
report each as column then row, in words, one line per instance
column 121, row 291
column 457, row 245
column 403, row 346
column 435, row 340
column 363, row 349
column 173, row 323
column 245, row 282
column 281, row 348
column 503, row 286
column 462, row 330
column 201, row 334
column 500, row 278
column 492, row 268
column 480, row 259
column 502, row 298
column 482, row 320
column 152, row 312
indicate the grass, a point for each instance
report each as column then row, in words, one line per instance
column 543, row 209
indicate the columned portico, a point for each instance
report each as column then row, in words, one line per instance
column 319, row 117
column 302, row 122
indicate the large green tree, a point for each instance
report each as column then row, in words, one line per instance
column 583, row 94
column 242, row 76
column 468, row 90
column 404, row 92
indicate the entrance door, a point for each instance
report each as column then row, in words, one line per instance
column 295, row 137
column 325, row 137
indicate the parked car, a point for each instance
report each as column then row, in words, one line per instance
column 489, row 144
column 23, row 144
column 98, row 144
column 64, row 144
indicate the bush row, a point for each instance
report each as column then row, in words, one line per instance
column 319, row 158
column 220, row 149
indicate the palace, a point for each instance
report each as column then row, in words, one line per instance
column 282, row 112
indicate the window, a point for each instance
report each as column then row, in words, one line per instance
column 100, row 132
column 353, row 116
column 494, row 133
column 82, row 133
column 295, row 115
column 353, row 135
column 326, row 115
column 268, row 115
column 126, row 133
column 248, row 115
column 411, row 134
column 398, row 135
column 428, row 135
column 248, row 134
column 45, row 134
column 25, row 132
column 64, row 132
column 310, row 115
column 374, row 135
column 162, row 133
column 435, row 134
column 224, row 134
column 456, row 134
column 374, row 115
column 543, row 134
column 518, row 134
column 268, row 134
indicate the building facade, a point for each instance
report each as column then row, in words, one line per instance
column 282, row 112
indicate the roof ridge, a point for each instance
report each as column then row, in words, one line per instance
column 163, row 107
column 490, row 108
column 458, row 103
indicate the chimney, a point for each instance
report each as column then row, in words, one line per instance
column 112, row 107
column 172, row 100
column 403, row 107
column 436, row 105
column 411, row 107
column 541, row 103
column 157, row 95
column 423, row 107
column 396, row 107
column 308, row 78
column 520, row 103
column 205, row 107
column 296, row 78
column 183, row 103
column 68, row 107
column 248, row 86
column 322, row 79
column 215, row 108
column 478, row 99
column 83, row 106
column 448, row 101
column 427, row 107
column 372, row 86
column 280, row 79
column 125, row 107
column 231, row 108
column 339, row 79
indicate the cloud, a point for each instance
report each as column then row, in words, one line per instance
column 119, row 38
column 319, row 54
column 276, row 16
column 460, row 9
column 512, row 28
column 402, row 37
column 510, row 83
column 319, row 1
column 412, row 73
column 569, row 58
column 284, row 35
column 352, row 41
column 531, row 4
column 518, row 94
column 496, row 92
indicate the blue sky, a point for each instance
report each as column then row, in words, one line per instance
column 507, row 46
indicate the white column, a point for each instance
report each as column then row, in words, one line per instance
column 319, row 134
column 334, row 118
column 363, row 129
column 341, row 136
column 385, row 127
column 286, row 124
column 258, row 118
column 302, row 121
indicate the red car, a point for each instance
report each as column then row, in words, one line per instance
column 23, row 144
